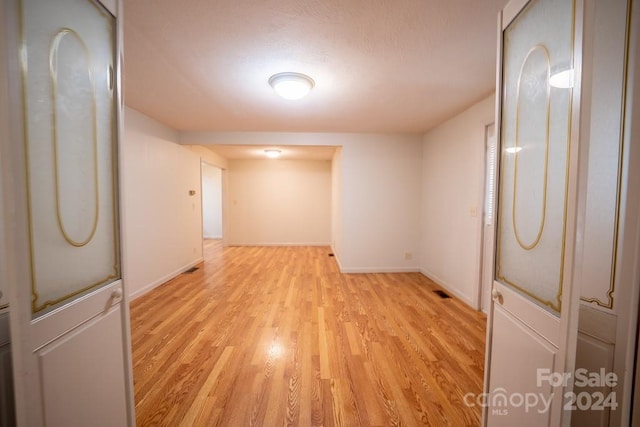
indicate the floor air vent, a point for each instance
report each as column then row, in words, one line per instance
column 189, row 271
column 442, row 294
column 331, row 254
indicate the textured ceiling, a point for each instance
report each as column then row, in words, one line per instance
column 379, row 65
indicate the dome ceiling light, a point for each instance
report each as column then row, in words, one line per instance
column 291, row 85
column 272, row 153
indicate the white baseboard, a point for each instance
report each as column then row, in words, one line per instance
column 163, row 279
column 281, row 244
column 213, row 237
column 357, row 270
column 380, row 270
column 447, row 287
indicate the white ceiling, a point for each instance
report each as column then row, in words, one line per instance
column 379, row 65
column 243, row 152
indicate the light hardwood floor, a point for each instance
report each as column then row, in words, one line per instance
column 277, row 336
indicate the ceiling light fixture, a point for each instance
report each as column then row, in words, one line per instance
column 272, row 153
column 513, row 149
column 291, row 85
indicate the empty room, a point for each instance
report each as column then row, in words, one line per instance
column 319, row 213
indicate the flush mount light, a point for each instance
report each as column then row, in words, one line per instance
column 272, row 153
column 291, row 85
column 513, row 149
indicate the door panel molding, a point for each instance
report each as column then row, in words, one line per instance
column 56, row 324
column 517, row 147
column 78, row 362
column 547, row 325
column 55, row 61
column 532, row 351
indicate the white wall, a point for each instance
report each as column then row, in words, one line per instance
column 279, row 202
column 206, row 155
column 380, row 203
column 380, row 176
column 453, row 186
column 211, row 201
column 162, row 223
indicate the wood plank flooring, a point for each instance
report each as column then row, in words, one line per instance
column 271, row 336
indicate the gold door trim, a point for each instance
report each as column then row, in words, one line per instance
column 543, row 208
column 53, row 68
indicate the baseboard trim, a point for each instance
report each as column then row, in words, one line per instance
column 447, row 287
column 281, row 244
column 372, row 270
column 380, row 270
column 213, row 237
column 151, row 286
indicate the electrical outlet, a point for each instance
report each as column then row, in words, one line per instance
column 408, row 255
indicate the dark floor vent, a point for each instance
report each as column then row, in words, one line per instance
column 191, row 270
column 442, row 294
column 331, row 254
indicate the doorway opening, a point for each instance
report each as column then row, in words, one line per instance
column 212, row 218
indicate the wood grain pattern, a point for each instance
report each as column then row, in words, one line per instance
column 265, row 336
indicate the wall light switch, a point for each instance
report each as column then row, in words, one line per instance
column 473, row 211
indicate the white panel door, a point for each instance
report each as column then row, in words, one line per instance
column 533, row 320
column 69, row 313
